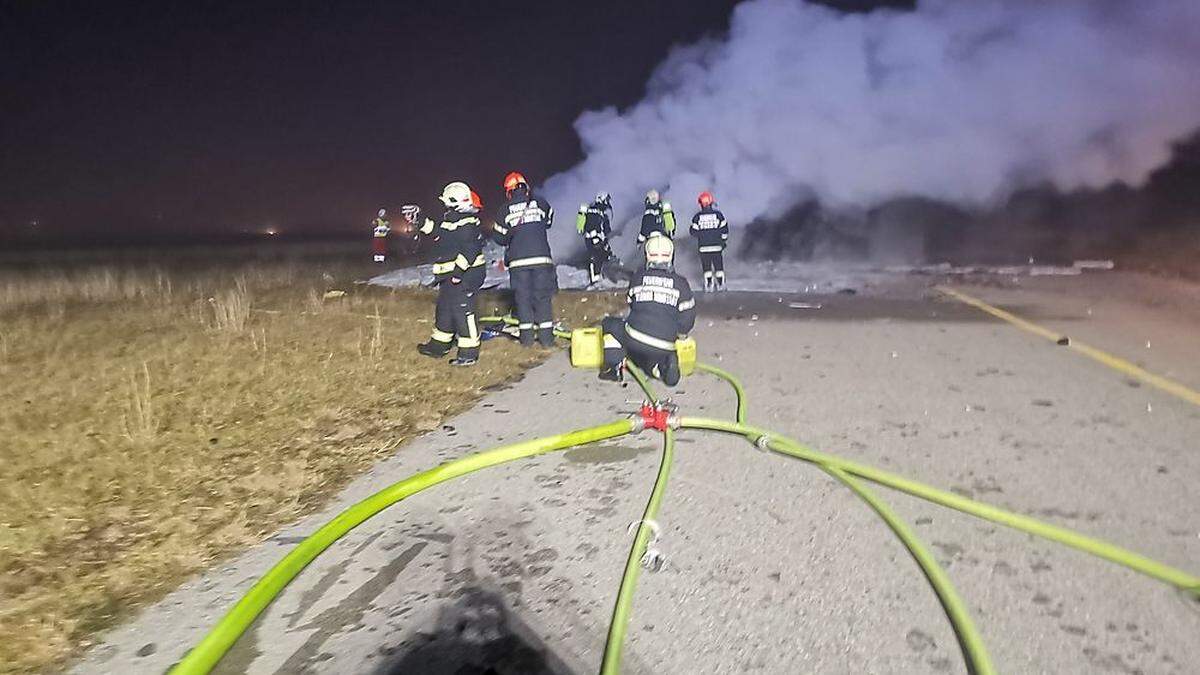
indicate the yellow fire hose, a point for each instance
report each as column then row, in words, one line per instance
column 209, row 651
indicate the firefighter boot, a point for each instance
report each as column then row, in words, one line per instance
column 434, row 348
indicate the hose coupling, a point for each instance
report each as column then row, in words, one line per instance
column 763, row 442
column 653, row 560
column 658, row 417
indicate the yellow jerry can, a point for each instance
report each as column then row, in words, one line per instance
column 587, row 347
column 686, row 350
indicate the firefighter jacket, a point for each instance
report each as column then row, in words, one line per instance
column 381, row 227
column 594, row 224
column 458, row 246
column 710, row 230
column 521, row 227
column 661, row 308
column 657, row 218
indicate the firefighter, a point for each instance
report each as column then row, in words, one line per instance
column 662, row 309
column 658, row 217
column 379, row 243
column 594, row 223
column 712, row 235
column 521, row 228
column 458, row 270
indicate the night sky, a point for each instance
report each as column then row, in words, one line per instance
column 166, row 121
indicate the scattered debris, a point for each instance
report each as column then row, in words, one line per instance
column 333, row 295
column 1053, row 271
column 804, row 305
column 1063, row 341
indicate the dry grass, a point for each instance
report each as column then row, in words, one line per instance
column 148, row 430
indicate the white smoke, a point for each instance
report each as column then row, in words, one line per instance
column 962, row 101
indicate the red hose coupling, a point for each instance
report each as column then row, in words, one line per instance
column 655, row 417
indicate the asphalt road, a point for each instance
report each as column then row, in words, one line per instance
column 771, row 566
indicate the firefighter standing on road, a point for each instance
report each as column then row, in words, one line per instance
column 381, row 228
column 658, row 217
column 662, row 309
column 458, row 270
column 594, row 223
column 712, row 235
column 521, row 228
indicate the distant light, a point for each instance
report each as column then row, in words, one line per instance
column 271, row 232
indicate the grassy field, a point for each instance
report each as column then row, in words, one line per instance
column 152, row 422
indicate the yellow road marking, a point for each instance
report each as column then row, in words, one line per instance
column 1115, row 362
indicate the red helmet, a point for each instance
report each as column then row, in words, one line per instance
column 475, row 200
column 706, row 199
column 512, row 181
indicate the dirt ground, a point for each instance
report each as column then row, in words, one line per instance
column 156, row 421
column 771, row 567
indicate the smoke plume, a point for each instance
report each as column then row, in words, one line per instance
column 963, row 102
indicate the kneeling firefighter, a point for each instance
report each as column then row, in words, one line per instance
column 656, row 218
column 458, row 270
column 594, row 223
column 521, row 228
column 662, row 309
column 712, row 235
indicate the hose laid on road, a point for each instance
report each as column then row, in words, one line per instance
column 209, row 651
column 611, row 665
column 1102, row 549
column 969, row 638
column 733, row 382
column 508, row 320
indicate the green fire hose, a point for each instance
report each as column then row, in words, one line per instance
column 1102, row 549
column 613, row 647
column 969, row 638
column 209, row 651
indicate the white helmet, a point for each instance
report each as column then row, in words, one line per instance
column 603, row 198
column 382, row 212
column 457, row 196
column 652, row 197
column 660, row 251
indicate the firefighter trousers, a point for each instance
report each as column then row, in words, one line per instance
column 659, row 363
column 454, row 314
column 533, row 293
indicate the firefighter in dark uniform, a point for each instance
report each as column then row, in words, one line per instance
column 662, row 309
column 458, row 270
column 521, row 228
column 380, row 229
column 712, row 235
column 594, row 223
column 658, row 217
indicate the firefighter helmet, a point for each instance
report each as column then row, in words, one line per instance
column 604, row 199
column 652, row 197
column 660, row 251
column 512, row 181
column 706, row 199
column 457, row 196
column 382, row 213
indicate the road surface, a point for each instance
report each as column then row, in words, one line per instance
column 771, row 566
